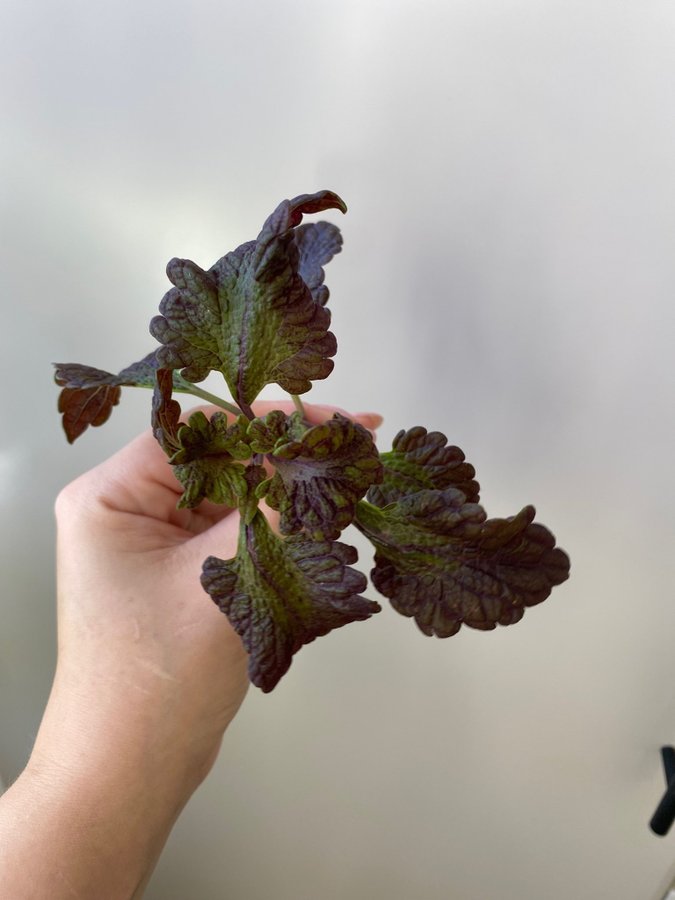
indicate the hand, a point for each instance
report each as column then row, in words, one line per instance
column 139, row 639
column 149, row 675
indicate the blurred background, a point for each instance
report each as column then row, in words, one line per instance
column 507, row 278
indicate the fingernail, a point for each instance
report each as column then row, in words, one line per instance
column 370, row 419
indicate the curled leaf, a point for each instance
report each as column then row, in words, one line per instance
column 280, row 594
column 165, row 417
column 440, row 560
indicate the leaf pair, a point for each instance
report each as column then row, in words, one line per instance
column 438, row 558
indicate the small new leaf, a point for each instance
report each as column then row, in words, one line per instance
column 282, row 593
column 204, row 452
column 440, row 560
column 252, row 316
column 321, row 472
column 419, row 460
column 274, row 430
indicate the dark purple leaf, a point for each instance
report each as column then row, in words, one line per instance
column 280, row 594
column 440, row 560
column 419, row 460
column 251, row 316
column 320, row 475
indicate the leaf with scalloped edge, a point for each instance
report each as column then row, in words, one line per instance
column 280, row 594
column 82, row 407
column 166, row 412
column 88, row 395
column 206, row 463
column 419, row 460
column 320, row 475
column 440, row 560
column 251, row 316
column 277, row 428
column 205, row 453
column 317, row 243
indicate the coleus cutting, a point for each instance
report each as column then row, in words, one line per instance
column 258, row 316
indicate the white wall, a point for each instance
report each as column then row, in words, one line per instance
column 507, row 278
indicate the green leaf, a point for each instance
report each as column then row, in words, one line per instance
column 204, row 452
column 419, row 460
column 252, row 316
column 88, row 395
column 268, row 432
column 321, row 473
column 211, row 437
column 440, row 560
column 282, row 593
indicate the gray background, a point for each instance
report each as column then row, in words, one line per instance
column 507, row 278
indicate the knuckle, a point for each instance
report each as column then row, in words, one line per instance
column 68, row 498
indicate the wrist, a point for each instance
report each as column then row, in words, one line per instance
column 103, row 739
column 64, row 833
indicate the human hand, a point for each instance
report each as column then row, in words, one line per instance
column 145, row 658
column 149, row 675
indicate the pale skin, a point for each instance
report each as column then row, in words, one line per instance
column 149, row 676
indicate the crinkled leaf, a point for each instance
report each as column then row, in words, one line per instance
column 266, row 433
column 282, row 593
column 320, row 475
column 204, row 452
column 419, row 460
column 317, row 242
column 440, row 560
column 211, row 437
column 211, row 478
column 251, row 316
column 205, row 463
column 88, row 395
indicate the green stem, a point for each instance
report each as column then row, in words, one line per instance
column 207, row 395
column 299, row 406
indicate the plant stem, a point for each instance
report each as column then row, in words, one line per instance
column 299, row 406
column 208, row 396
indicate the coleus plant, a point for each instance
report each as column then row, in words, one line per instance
column 258, row 316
